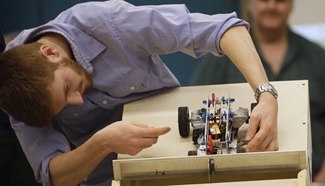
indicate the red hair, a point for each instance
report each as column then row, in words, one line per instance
column 24, row 79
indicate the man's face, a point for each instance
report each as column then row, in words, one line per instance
column 70, row 82
column 270, row 14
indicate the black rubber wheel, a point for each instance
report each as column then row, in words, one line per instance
column 183, row 121
column 192, row 153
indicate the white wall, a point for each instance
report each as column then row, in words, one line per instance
column 308, row 19
column 308, row 12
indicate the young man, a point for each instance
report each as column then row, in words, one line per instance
column 79, row 69
column 285, row 56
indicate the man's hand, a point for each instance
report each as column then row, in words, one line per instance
column 129, row 137
column 262, row 132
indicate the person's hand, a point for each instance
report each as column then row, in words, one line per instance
column 320, row 176
column 129, row 137
column 262, row 132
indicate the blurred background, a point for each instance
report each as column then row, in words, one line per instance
column 16, row 15
column 308, row 19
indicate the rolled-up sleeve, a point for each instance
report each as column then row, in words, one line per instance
column 207, row 31
column 39, row 146
column 166, row 29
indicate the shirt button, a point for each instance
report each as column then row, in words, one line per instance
column 132, row 88
column 104, row 102
column 75, row 114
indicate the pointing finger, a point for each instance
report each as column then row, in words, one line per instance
column 154, row 132
column 140, row 125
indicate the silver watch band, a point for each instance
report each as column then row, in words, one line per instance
column 267, row 87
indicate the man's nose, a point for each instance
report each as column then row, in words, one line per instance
column 75, row 99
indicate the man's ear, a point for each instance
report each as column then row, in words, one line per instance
column 49, row 52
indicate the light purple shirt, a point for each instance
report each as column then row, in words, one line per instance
column 119, row 45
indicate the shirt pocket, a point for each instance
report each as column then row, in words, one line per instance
column 130, row 83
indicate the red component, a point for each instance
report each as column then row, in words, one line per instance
column 210, row 144
column 213, row 98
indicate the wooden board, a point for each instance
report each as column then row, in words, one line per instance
column 161, row 110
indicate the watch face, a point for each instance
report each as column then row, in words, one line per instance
column 270, row 88
column 265, row 87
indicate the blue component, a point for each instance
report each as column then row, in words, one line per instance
column 224, row 113
column 229, row 141
column 209, row 101
column 204, row 102
column 202, row 143
column 232, row 100
column 203, row 118
column 209, row 116
column 230, row 120
column 230, row 113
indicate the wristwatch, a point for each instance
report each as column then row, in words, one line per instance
column 267, row 87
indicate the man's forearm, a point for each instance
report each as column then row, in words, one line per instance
column 72, row 167
column 237, row 44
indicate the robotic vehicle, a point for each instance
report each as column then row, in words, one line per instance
column 215, row 127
